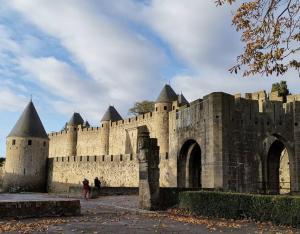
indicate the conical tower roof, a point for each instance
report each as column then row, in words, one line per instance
column 76, row 119
column 29, row 124
column 182, row 100
column 167, row 95
column 111, row 114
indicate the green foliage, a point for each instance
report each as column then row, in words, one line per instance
column 278, row 209
column 142, row 107
column 282, row 89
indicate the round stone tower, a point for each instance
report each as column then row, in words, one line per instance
column 27, row 148
column 162, row 107
column 109, row 116
column 72, row 132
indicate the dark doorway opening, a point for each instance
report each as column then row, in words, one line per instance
column 278, row 172
column 189, row 165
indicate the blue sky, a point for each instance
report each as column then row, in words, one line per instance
column 76, row 55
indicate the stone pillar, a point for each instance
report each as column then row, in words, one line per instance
column 148, row 156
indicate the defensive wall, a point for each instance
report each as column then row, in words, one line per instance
column 234, row 134
column 122, row 140
column 223, row 141
column 112, row 170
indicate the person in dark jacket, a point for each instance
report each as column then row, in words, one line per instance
column 97, row 183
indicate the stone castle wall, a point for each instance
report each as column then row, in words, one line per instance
column 234, row 135
column 122, row 141
column 112, row 170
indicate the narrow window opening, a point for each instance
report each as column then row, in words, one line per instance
column 167, row 156
column 165, row 107
column 29, row 142
column 88, row 158
column 121, row 157
column 44, row 143
column 103, row 157
column 13, row 142
column 95, row 158
column 131, row 157
column 111, row 158
column 156, row 109
column 80, row 158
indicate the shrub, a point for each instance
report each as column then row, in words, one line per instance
column 278, row 209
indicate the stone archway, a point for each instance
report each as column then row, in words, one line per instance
column 189, row 165
column 278, row 170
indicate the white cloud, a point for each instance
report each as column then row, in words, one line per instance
column 71, row 92
column 10, row 101
column 122, row 66
column 197, row 86
column 199, row 32
column 119, row 59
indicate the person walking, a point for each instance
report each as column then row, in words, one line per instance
column 97, row 183
column 86, row 189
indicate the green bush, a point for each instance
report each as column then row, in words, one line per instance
column 278, row 209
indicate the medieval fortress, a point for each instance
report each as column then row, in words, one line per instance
column 223, row 141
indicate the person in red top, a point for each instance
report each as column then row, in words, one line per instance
column 86, row 188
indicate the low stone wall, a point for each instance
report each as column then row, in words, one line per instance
column 76, row 191
column 29, row 209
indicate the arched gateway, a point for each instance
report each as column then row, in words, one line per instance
column 189, row 165
column 278, row 171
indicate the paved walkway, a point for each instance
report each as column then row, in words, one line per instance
column 119, row 214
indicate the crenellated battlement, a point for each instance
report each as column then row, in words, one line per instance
column 133, row 120
column 119, row 158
